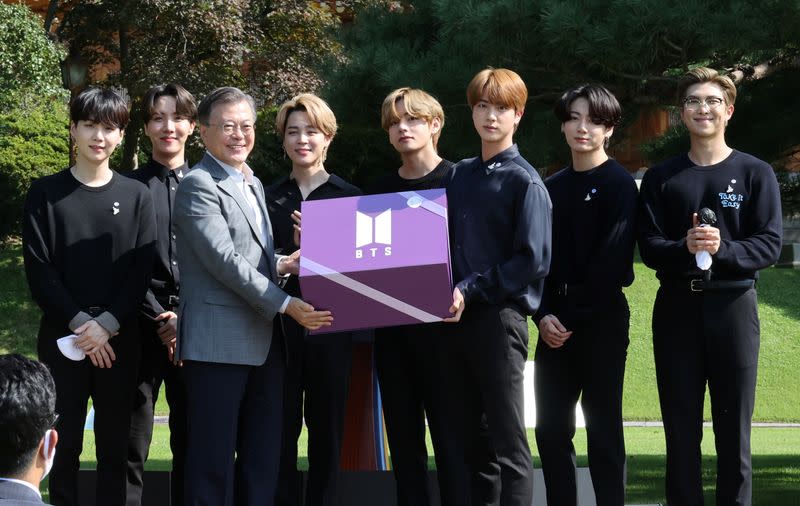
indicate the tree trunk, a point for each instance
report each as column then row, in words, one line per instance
column 130, row 147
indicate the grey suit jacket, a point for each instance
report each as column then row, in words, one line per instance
column 14, row 494
column 229, row 291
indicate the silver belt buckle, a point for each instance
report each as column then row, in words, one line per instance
column 693, row 287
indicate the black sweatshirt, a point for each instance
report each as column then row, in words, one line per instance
column 594, row 233
column 437, row 178
column 743, row 192
column 421, row 333
column 88, row 247
column 500, row 221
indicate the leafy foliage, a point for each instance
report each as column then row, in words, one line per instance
column 33, row 143
column 29, row 60
column 268, row 47
column 638, row 48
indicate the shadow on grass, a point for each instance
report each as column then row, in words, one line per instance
column 778, row 287
column 775, row 479
column 19, row 316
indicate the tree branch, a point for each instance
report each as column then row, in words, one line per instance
column 764, row 69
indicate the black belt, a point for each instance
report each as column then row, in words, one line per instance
column 578, row 289
column 714, row 285
column 170, row 302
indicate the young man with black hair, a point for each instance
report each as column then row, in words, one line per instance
column 169, row 113
column 705, row 317
column 500, row 220
column 583, row 318
column 27, row 437
column 88, row 243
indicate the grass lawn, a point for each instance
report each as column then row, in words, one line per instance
column 776, row 465
column 776, row 452
column 778, row 390
column 777, row 396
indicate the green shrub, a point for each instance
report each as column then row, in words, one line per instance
column 29, row 60
column 34, row 142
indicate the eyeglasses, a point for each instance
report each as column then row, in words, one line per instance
column 229, row 128
column 694, row 103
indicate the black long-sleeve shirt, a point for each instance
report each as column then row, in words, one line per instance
column 283, row 198
column 88, row 247
column 163, row 184
column 439, row 177
column 594, row 233
column 741, row 190
column 421, row 333
column 500, row 223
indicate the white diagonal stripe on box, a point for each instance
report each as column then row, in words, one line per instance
column 427, row 204
column 368, row 291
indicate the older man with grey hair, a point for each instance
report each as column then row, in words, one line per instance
column 230, row 295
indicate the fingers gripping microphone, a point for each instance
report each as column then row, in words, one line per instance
column 706, row 217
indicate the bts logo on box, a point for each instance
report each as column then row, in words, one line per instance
column 377, row 230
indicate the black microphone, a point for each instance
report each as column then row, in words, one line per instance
column 706, row 216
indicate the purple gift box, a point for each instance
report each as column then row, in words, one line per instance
column 377, row 260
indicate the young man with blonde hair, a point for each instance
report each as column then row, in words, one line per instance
column 318, row 367
column 413, row 361
column 500, row 219
column 710, row 219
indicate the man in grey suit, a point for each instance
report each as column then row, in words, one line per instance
column 27, row 438
column 233, row 368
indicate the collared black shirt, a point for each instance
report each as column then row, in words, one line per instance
column 163, row 184
column 500, row 225
column 283, row 198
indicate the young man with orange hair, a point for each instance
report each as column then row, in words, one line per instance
column 500, row 219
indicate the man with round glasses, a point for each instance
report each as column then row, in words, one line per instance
column 705, row 317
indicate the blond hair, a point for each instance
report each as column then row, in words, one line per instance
column 417, row 103
column 500, row 86
column 319, row 114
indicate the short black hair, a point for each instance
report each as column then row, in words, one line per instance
column 185, row 104
column 27, row 411
column 603, row 105
column 100, row 105
column 225, row 95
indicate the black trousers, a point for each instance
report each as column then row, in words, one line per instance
column 491, row 357
column 319, row 367
column 590, row 366
column 155, row 370
column 234, row 419
column 111, row 391
column 415, row 371
column 698, row 338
